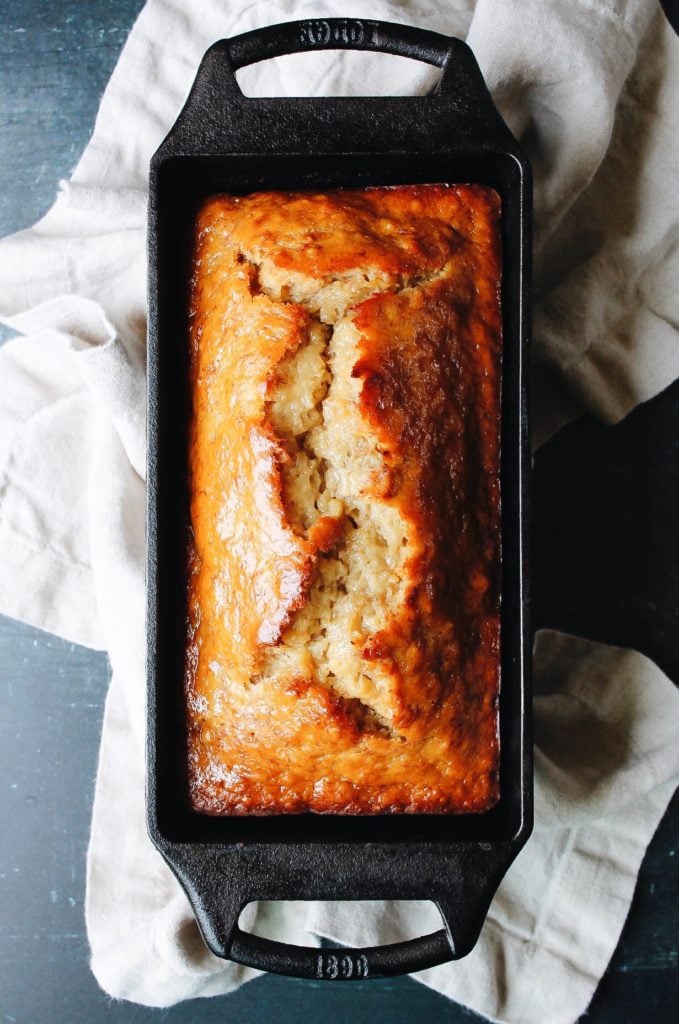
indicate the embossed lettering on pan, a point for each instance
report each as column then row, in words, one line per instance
column 321, row 33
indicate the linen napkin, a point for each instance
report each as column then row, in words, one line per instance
column 588, row 86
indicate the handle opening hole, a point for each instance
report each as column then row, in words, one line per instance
column 337, row 73
column 362, row 922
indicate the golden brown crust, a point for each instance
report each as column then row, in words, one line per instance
column 427, row 378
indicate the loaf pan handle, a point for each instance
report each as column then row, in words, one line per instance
column 463, row 920
column 338, row 34
column 472, row 874
column 340, row 964
column 212, row 119
column 460, row 70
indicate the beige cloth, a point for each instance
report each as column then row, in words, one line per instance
column 605, row 149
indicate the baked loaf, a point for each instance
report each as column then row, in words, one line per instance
column 343, row 584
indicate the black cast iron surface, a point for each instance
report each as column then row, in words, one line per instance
column 223, row 141
column 592, row 518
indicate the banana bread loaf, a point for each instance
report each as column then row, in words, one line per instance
column 342, row 649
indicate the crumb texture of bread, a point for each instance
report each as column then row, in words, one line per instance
column 342, row 650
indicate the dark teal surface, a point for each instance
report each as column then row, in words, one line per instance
column 592, row 574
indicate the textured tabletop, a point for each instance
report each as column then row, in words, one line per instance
column 606, row 557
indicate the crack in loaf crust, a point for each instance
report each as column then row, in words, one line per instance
column 343, row 606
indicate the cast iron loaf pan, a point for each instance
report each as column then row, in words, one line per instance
column 226, row 142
